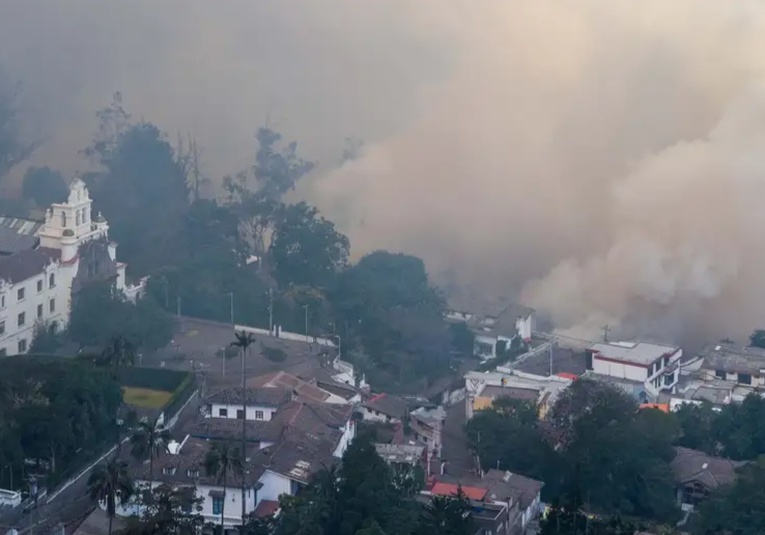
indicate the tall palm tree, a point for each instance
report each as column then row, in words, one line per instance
column 111, row 484
column 243, row 341
column 148, row 440
column 119, row 353
column 224, row 460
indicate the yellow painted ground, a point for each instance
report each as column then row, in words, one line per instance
column 145, row 398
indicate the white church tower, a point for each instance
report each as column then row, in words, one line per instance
column 69, row 224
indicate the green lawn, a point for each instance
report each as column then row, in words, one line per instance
column 145, row 398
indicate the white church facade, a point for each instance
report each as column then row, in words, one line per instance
column 70, row 249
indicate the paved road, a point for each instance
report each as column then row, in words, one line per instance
column 455, row 447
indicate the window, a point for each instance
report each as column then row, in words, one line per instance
column 52, row 305
column 2, row 302
column 39, row 311
column 223, row 413
column 23, row 345
column 669, row 379
column 483, row 349
column 39, row 286
column 2, row 327
column 744, row 378
column 192, row 472
column 720, row 374
column 22, row 319
column 217, row 505
column 52, row 280
column 20, row 294
column 168, row 470
column 240, row 414
column 259, row 415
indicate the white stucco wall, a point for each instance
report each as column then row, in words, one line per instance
column 11, row 307
column 619, row 370
column 369, row 415
column 525, row 326
column 652, row 376
column 250, row 413
column 274, row 485
column 488, row 340
column 757, row 381
column 349, row 433
column 232, row 511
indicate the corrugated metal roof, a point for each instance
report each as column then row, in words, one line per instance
column 18, row 234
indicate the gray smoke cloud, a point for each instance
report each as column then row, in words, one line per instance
column 598, row 160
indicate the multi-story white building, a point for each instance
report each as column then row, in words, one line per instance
column 654, row 365
column 67, row 251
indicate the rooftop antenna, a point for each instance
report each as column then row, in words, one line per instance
column 606, row 328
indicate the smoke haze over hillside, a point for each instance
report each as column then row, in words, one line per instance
column 601, row 160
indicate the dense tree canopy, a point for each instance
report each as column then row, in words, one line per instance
column 305, row 248
column 737, row 431
column 50, row 409
column 142, row 186
column 44, row 186
column 595, row 444
column 388, row 302
column 508, row 436
column 737, row 509
column 99, row 313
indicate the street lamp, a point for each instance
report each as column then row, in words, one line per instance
column 233, row 327
column 33, row 491
column 306, row 322
column 339, row 345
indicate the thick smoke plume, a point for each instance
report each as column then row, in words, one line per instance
column 601, row 161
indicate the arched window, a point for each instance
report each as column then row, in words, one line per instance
column 77, row 218
column 52, row 280
column 85, row 215
column 63, row 219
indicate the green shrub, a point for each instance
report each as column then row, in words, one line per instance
column 274, row 354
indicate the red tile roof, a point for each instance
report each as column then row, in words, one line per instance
column 663, row 407
column 266, row 508
column 567, row 375
column 448, row 489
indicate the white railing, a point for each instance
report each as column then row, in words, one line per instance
column 10, row 498
column 327, row 342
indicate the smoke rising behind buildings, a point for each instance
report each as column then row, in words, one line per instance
column 601, row 161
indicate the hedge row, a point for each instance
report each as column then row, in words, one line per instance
column 154, row 378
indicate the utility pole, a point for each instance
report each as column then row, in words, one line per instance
column 306, row 322
column 606, row 328
column 231, row 308
column 552, row 344
column 271, row 311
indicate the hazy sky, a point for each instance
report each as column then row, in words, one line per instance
column 600, row 160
